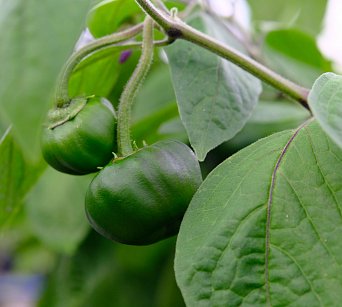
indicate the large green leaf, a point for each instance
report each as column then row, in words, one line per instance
column 36, row 37
column 215, row 97
column 16, row 178
column 304, row 14
column 265, row 227
column 325, row 100
column 295, row 54
column 55, row 210
column 106, row 17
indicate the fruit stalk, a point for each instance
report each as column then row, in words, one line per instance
column 127, row 97
column 62, row 90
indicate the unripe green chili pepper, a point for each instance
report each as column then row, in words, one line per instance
column 141, row 198
column 80, row 133
column 80, row 136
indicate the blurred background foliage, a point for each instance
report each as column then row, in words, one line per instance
column 47, row 251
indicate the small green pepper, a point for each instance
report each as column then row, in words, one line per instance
column 80, row 137
column 141, row 199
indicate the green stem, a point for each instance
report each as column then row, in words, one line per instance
column 62, row 92
column 127, row 97
column 175, row 29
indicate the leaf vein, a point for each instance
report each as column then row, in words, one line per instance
column 327, row 183
column 269, row 208
column 310, row 219
column 293, row 259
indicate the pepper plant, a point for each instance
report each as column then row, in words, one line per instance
column 155, row 96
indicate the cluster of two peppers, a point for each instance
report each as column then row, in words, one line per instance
column 135, row 199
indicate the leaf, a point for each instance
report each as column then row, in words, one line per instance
column 156, row 93
column 175, row 3
column 102, row 271
column 96, row 76
column 36, row 38
column 295, row 54
column 55, row 210
column 215, row 98
column 269, row 117
column 16, row 178
column 106, row 17
column 264, row 228
column 291, row 13
column 147, row 129
column 325, row 101
column 152, row 111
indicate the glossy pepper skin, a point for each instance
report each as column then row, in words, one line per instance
column 80, row 137
column 141, row 199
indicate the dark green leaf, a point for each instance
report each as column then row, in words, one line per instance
column 325, row 100
column 106, row 17
column 55, row 210
column 17, row 176
column 36, row 37
column 215, row 97
column 264, row 229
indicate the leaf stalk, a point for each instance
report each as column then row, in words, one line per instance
column 125, row 147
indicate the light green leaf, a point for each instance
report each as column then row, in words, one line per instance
column 295, row 54
column 265, row 227
column 36, row 38
column 179, row 4
column 325, row 101
column 307, row 15
column 106, row 17
column 269, row 117
column 16, row 178
column 96, row 75
column 55, row 210
column 215, row 98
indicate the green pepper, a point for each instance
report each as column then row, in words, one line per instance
column 141, row 199
column 80, row 136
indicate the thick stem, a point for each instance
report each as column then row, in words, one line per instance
column 175, row 28
column 127, row 97
column 62, row 93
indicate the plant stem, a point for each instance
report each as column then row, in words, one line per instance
column 62, row 92
column 127, row 97
column 175, row 29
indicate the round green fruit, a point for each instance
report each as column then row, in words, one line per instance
column 80, row 137
column 141, row 199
